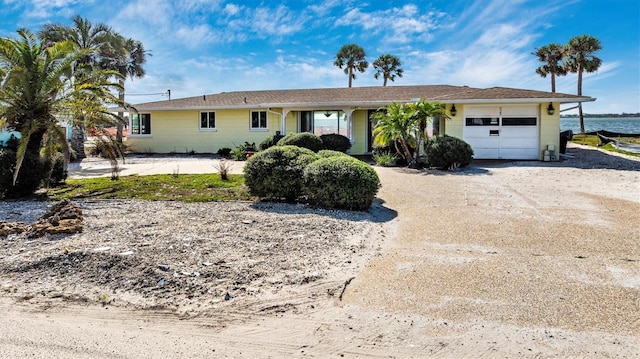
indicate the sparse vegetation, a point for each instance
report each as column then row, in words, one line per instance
column 167, row 187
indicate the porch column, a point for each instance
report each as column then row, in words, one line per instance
column 283, row 121
column 349, row 113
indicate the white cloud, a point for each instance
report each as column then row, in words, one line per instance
column 396, row 25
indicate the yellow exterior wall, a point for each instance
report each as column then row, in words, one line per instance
column 359, row 146
column 549, row 129
column 291, row 122
column 453, row 126
column 178, row 132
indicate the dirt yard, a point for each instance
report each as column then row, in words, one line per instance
column 503, row 259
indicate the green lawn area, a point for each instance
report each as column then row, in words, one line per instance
column 182, row 187
column 593, row 141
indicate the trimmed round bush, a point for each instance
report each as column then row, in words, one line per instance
column 277, row 172
column 446, row 151
column 335, row 142
column 341, row 182
column 331, row 153
column 270, row 142
column 303, row 139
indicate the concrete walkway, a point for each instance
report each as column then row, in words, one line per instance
column 148, row 165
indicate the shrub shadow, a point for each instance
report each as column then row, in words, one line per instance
column 377, row 213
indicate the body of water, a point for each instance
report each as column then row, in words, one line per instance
column 616, row 124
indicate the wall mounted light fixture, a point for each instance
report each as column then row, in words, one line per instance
column 550, row 109
column 453, row 110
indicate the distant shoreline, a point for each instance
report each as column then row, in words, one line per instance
column 606, row 115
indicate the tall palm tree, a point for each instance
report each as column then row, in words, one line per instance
column 551, row 55
column 352, row 57
column 92, row 40
column 126, row 56
column 581, row 58
column 389, row 67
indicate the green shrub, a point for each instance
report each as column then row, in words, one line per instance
column 241, row 151
column 32, row 172
column 56, row 171
column 7, row 164
column 331, row 153
column 270, row 141
column 385, row 159
column 277, row 172
column 445, row 151
column 341, row 182
column 303, row 139
column 224, row 152
column 336, row 142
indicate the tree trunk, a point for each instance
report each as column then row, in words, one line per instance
column 77, row 142
column 384, row 83
column 120, row 127
column 553, row 82
column 580, row 103
column 350, row 75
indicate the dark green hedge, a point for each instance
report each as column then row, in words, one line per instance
column 341, row 182
column 277, row 172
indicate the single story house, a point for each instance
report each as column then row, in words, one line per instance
column 498, row 122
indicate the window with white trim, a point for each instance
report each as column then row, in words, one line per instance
column 207, row 120
column 141, row 124
column 258, row 120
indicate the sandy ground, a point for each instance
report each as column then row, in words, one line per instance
column 517, row 259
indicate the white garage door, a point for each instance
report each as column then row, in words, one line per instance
column 503, row 132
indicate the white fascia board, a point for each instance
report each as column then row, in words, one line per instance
column 522, row 100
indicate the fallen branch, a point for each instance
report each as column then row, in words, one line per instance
column 346, row 283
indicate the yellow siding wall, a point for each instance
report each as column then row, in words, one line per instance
column 359, row 146
column 453, row 126
column 291, row 122
column 549, row 129
column 178, row 131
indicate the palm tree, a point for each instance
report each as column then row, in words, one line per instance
column 37, row 90
column 551, row 55
column 126, row 56
column 396, row 125
column 424, row 112
column 581, row 58
column 388, row 66
column 352, row 57
column 31, row 95
column 92, row 40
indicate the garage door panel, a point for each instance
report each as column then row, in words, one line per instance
column 518, row 131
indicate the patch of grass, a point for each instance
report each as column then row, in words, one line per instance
column 593, row 141
column 180, row 187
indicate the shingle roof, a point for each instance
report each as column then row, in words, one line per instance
column 358, row 96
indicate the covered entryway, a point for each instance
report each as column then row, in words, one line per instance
column 503, row 132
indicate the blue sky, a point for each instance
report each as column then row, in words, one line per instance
column 211, row 46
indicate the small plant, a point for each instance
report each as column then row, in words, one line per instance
column 385, row 159
column 224, row 152
column 176, row 172
column 104, row 299
column 243, row 151
column 303, row 139
column 335, row 142
column 223, row 167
